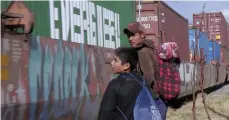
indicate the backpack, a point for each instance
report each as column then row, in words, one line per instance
column 145, row 107
column 168, row 80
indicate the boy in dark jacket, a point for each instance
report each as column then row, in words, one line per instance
column 122, row 91
column 147, row 65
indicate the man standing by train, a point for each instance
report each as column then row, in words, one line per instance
column 147, row 65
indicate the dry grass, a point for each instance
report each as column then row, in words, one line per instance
column 218, row 108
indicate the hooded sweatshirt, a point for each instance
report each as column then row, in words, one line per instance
column 148, row 66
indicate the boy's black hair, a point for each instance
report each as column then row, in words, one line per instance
column 127, row 55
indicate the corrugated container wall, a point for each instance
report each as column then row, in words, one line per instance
column 223, row 55
column 214, row 51
column 214, row 24
column 210, row 54
column 163, row 24
column 192, row 44
column 227, row 56
column 100, row 20
column 227, row 36
column 202, row 43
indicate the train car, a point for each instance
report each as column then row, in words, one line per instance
column 214, row 24
column 56, row 74
column 91, row 22
column 161, row 23
column 202, row 44
column 213, row 76
column 60, row 70
column 214, row 51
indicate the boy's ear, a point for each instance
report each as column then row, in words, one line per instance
column 126, row 66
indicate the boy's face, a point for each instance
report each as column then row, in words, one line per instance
column 118, row 67
column 136, row 39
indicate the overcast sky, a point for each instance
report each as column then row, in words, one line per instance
column 187, row 8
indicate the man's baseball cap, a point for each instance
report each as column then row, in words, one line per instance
column 133, row 28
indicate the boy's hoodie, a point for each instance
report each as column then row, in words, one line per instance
column 124, row 92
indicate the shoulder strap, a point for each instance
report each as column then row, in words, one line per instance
column 135, row 79
column 122, row 113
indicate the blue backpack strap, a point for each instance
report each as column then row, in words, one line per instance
column 134, row 78
column 142, row 84
column 122, row 113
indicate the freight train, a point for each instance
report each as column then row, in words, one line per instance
column 60, row 70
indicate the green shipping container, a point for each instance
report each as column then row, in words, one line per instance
column 97, row 23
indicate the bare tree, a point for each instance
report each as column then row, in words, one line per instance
column 201, row 63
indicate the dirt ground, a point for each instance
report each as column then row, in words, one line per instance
column 218, row 108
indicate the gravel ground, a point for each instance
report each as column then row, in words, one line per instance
column 217, row 103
